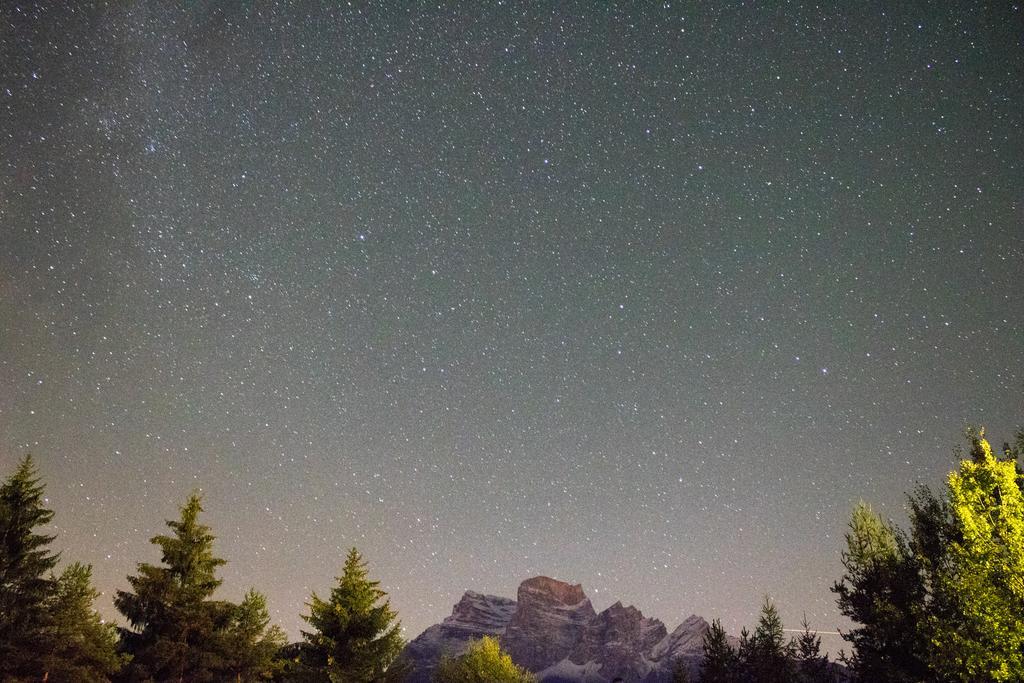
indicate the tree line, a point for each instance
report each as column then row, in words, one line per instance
column 942, row 602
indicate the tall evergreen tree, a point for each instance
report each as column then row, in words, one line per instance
column 175, row 626
column 812, row 667
column 720, row 662
column 25, row 563
column 251, row 644
column 771, row 658
column 882, row 590
column 982, row 583
column 81, row 648
column 355, row 637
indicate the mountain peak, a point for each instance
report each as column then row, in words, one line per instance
column 560, row 591
column 553, row 630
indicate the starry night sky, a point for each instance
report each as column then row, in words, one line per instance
column 642, row 296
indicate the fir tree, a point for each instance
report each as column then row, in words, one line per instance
column 175, row 626
column 355, row 638
column 83, row 649
column 25, row 563
column 720, row 662
column 483, row 662
column 251, row 644
column 812, row 667
column 883, row 591
column 771, row 656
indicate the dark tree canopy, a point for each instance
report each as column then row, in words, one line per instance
column 26, row 586
column 174, row 623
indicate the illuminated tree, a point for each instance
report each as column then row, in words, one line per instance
column 982, row 582
column 355, row 638
column 484, row 662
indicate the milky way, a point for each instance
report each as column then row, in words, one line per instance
column 644, row 297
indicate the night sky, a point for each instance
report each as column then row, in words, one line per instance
column 641, row 296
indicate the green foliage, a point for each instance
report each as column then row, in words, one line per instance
column 355, row 638
column 720, row 663
column 981, row 585
column 484, row 662
column 25, row 562
column 947, row 604
column 178, row 631
column 770, row 656
column 251, row 644
column 83, row 648
column 883, row 591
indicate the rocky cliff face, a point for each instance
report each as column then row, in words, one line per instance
column 549, row 622
column 552, row 629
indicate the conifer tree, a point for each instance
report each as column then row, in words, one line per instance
column 812, row 667
column 981, row 636
column 884, row 593
column 355, row 637
column 483, row 662
column 82, row 648
column 175, row 626
column 25, row 563
column 251, row 644
column 720, row 663
column 771, row 656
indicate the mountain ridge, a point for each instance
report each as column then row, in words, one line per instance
column 552, row 629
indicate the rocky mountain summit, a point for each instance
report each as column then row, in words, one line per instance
column 552, row 629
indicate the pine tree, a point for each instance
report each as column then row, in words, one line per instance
column 355, row 638
column 251, row 644
column 883, row 591
column 175, row 632
column 771, row 658
column 83, row 649
column 982, row 583
column 746, row 657
column 812, row 667
column 720, row 662
column 25, row 561
column 483, row 662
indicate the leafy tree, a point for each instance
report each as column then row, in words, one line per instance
column 484, row 662
column 720, row 662
column 882, row 590
column 176, row 629
column 771, row 656
column 83, row 649
column 812, row 667
column 25, row 560
column 982, row 582
column 251, row 644
column 355, row 638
